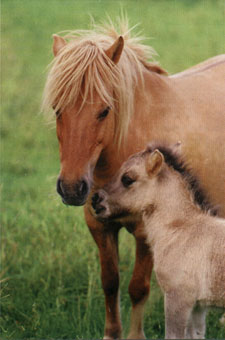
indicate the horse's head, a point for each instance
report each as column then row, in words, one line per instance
column 92, row 87
column 84, row 129
column 82, row 137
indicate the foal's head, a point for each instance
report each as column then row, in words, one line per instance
column 133, row 189
column 139, row 183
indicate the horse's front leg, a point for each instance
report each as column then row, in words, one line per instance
column 140, row 286
column 107, row 241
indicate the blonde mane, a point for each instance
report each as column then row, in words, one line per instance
column 82, row 69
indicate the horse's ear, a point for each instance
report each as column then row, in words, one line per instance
column 114, row 52
column 58, row 43
column 154, row 162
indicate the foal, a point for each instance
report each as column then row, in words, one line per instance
column 188, row 244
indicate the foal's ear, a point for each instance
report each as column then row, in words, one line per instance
column 58, row 43
column 154, row 162
column 114, row 52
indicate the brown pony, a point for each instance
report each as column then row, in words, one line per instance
column 109, row 102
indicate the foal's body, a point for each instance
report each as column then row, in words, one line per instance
column 188, row 244
column 189, row 260
column 188, row 107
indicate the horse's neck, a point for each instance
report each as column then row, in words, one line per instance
column 149, row 104
column 172, row 109
column 153, row 110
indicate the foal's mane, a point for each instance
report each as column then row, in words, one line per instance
column 82, row 69
column 174, row 160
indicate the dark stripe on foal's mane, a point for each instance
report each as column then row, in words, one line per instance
column 175, row 161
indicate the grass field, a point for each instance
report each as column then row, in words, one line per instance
column 50, row 280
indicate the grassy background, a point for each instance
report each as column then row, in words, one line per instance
column 50, row 281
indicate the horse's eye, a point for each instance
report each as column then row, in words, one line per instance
column 103, row 114
column 57, row 113
column 127, row 180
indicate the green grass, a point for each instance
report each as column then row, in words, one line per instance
column 50, row 272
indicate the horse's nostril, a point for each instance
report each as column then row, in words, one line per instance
column 82, row 188
column 72, row 193
column 59, row 187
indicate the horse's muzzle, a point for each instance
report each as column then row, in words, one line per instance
column 75, row 194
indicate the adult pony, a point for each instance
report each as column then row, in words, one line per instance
column 109, row 102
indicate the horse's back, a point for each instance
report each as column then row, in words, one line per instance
column 217, row 62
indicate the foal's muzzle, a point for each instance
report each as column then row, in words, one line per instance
column 73, row 194
column 97, row 203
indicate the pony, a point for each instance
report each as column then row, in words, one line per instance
column 187, row 242
column 110, row 98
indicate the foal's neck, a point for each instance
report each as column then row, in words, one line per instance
column 174, row 207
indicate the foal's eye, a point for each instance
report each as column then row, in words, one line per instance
column 57, row 113
column 103, row 114
column 127, row 180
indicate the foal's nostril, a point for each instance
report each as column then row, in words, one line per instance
column 100, row 208
column 96, row 200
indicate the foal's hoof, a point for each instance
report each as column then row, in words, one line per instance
column 135, row 336
column 222, row 319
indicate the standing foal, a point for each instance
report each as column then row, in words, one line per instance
column 188, row 244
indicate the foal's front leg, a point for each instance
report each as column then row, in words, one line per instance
column 177, row 314
column 196, row 326
column 107, row 241
column 140, row 285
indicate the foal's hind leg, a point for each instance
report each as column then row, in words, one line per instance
column 107, row 241
column 139, row 287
